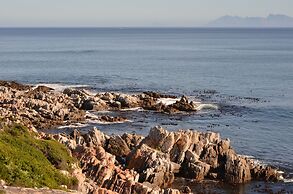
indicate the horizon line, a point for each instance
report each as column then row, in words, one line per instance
column 143, row 27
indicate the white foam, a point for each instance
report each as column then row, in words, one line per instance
column 91, row 115
column 198, row 105
column 167, row 101
column 103, row 111
column 132, row 109
column 262, row 163
column 203, row 106
column 288, row 180
column 74, row 125
column 94, row 121
column 61, row 87
column 247, row 156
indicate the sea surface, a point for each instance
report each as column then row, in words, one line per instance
column 248, row 73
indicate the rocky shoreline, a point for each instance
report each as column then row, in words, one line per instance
column 128, row 163
column 43, row 108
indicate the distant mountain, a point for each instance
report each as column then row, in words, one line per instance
column 270, row 21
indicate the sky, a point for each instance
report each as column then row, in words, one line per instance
column 131, row 13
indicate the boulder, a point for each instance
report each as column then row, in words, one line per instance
column 132, row 140
column 87, row 105
column 177, row 153
column 128, row 101
column 117, row 146
column 181, row 105
column 110, row 119
column 106, row 96
column 158, row 95
column 14, row 85
column 195, row 170
column 154, row 167
column 266, row 173
column 75, row 92
column 210, row 155
column 95, row 138
column 237, row 169
column 156, row 137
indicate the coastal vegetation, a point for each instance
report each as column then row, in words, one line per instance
column 30, row 162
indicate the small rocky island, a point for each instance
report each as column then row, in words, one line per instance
column 95, row 162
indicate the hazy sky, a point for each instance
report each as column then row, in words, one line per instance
column 132, row 12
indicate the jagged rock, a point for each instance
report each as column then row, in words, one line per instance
column 177, row 153
column 153, row 160
column 195, row 170
column 110, row 119
column 181, row 105
column 237, row 169
column 191, row 156
column 95, row 138
column 147, row 164
column 100, row 104
column 106, row 96
column 132, row 140
column 149, row 103
column 14, row 85
column 158, row 95
column 156, row 137
column 154, row 166
column 43, row 89
column 115, row 104
column 210, row 155
column 266, row 173
column 38, row 107
column 117, row 146
column 223, row 146
column 74, row 92
column 87, row 105
column 128, row 101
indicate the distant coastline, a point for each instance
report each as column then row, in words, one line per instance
column 271, row 21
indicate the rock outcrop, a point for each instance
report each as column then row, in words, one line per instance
column 128, row 163
column 117, row 101
column 133, row 164
column 101, row 160
column 43, row 107
column 38, row 107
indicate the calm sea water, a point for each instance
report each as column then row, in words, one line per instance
column 248, row 72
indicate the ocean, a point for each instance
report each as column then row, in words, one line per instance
column 248, row 73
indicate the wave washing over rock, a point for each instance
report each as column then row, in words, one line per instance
column 129, row 163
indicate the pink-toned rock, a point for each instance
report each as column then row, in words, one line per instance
column 154, row 167
column 117, row 146
column 237, row 169
column 195, row 170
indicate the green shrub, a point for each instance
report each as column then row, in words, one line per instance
column 30, row 162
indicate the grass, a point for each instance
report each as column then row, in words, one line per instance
column 29, row 162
